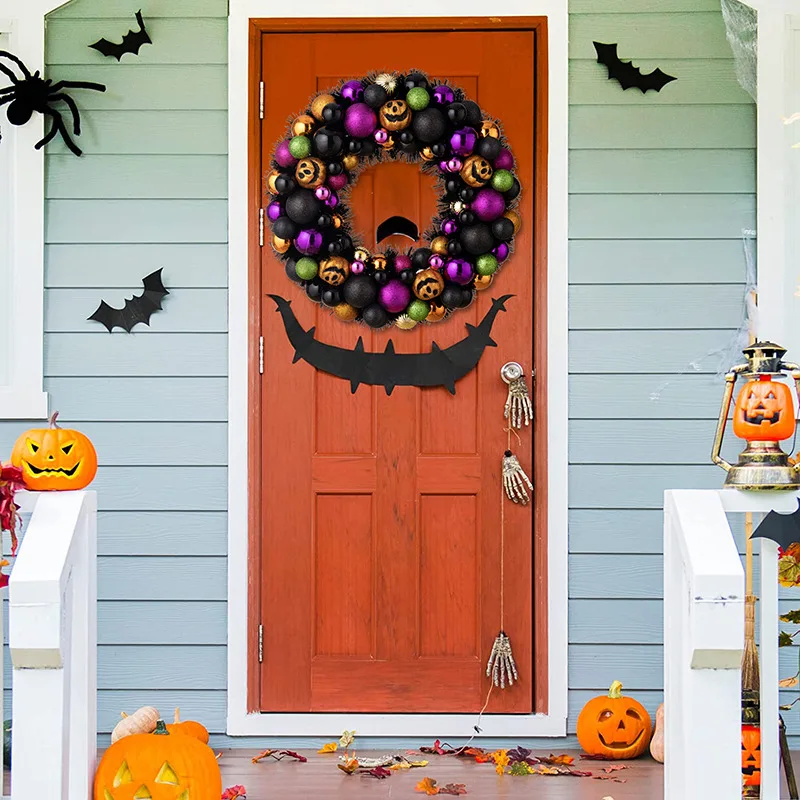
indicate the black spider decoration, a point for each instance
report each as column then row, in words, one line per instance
column 34, row 93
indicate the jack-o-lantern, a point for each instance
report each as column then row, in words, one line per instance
column 437, row 313
column 334, row 270
column 614, row 726
column 395, row 115
column 764, row 412
column 476, row 171
column 428, row 284
column 310, row 173
column 751, row 755
column 158, row 766
column 55, row 458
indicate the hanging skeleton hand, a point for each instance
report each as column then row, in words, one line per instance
column 515, row 479
column 518, row 408
column 501, row 667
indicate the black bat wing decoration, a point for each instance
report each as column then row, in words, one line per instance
column 138, row 309
column 132, row 42
column 628, row 75
column 781, row 528
column 389, row 369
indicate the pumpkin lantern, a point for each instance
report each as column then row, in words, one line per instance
column 751, row 745
column 614, row 726
column 55, row 458
column 158, row 766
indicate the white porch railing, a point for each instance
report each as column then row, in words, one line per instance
column 53, row 643
column 703, row 643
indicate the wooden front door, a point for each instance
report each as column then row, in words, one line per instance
column 378, row 517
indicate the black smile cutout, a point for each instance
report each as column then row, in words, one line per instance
column 60, row 471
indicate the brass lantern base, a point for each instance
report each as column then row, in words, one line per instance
column 763, row 466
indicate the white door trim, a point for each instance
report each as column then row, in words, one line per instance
column 240, row 723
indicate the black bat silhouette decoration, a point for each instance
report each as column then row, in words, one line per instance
column 389, row 369
column 132, row 42
column 781, row 528
column 628, row 75
column 138, row 309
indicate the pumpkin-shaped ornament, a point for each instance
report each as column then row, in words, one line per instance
column 54, row 458
column 764, row 411
column 614, row 726
column 158, row 766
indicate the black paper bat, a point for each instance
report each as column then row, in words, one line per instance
column 389, row 369
column 138, row 309
column 781, row 528
column 628, row 75
column 131, row 42
column 396, row 226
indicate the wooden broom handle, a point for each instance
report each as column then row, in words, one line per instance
column 748, row 532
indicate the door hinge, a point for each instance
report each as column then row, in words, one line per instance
column 260, row 644
column 261, row 100
column 260, row 227
column 261, row 355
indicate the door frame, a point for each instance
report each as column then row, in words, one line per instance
column 247, row 20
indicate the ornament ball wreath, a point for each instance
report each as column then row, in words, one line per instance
column 392, row 116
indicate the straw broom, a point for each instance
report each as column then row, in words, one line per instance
column 750, row 671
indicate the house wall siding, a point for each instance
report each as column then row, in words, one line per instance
column 661, row 187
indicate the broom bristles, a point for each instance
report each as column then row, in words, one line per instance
column 750, row 672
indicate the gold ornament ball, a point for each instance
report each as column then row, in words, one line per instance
column 271, row 178
column 319, row 102
column 388, row 144
column 437, row 313
column 350, row 162
column 310, row 172
column 483, row 281
column 426, row 154
column 515, row 219
column 334, row 270
column 489, row 128
column 303, row 125
column 458, row 206
column 361, row 254
column 281, row 245
column 337, row 221
column 405, row 323
column 476, row 171
column 388, row 81
column 379, row 262
column 439, row 245
column 345, row 312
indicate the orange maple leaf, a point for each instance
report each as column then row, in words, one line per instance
column 330, row 747
column 262, row 755
column 427, row 785
column 349, row 765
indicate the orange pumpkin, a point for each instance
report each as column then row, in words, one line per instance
column 55, row 458
column 764, row 412
column 614, row 726
column 751, row 755
column 158, row 766
column 188, row 728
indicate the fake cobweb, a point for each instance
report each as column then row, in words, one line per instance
column 741, row 24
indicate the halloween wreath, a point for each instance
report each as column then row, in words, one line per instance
column 393, row 116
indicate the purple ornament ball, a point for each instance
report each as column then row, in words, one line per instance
column 436, row 261
column 360, row 120
column 357, row 267
column 274, row 210
column 332, row 201
column 458, row 271
column 443, row 95
column 337, row 182
column 381, row 136
column 283, row 156
column 394, row 296
column 322, row 193
column 353, row 91
column 463, row 141
column 488, row 205
column 505, row 160
column 402, row 262
column 501, row 252
column 308, row 242
column 454, row 164
column 449, row 227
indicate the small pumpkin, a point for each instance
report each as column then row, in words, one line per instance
column 764, row 411
column 55, row 458
column 614, row 726
column 188, row 727
column 657, row 743
column 143, row 720
column 158, row 766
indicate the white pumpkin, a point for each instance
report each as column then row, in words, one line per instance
column 142, row 720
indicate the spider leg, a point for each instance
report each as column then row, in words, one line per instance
column 4, row 100
column 6, row 71
column 98, row 87
column 8, row 89
column 17, row 61
column 58, row 127
column 76, row 117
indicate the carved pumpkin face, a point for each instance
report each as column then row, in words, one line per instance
column 614, row 726
column 395, row 115
column 476, row 171
column 310, row 173
column 751, row 755
column 764, row 412
column 55, row 458
column 334, row 270
column 437, row 312
column 428, row 284
column 157, row 766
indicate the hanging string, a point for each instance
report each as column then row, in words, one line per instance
column 509, row 430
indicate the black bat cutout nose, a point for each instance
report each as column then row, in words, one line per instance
column 397, row 226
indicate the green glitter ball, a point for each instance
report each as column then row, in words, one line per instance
column 418, row 310
column 418, row 98
column 300, row 146
column 486, row 264
column 306, row 269
column 502, row 180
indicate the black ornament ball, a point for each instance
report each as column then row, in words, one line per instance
column 503, row 229
column 454, row 248
column 346, row 241
column 477, row 239
column 360, row 291
column 514, row 191
column 474, row 116
column 368, row 147
column 354, row 146
column 439, row 149
column 331, row 296
column 328, row 143
column 406, row 137
column 466, row 296
column 488, row 148
column 429, row 125
column 420, row 258
column 375, row 96
column 324, row 221
column 284, row 184
column 314, row 290
column 457, row 113
column 291, row 273
column 466, row 217
column 302, row 207
column 284, row 228
column 375, row 316
column 335, row 247
column 467, row 194
column 414, row 80
column 453, row 186
column 335, row 168
column 332, row 113
column 407, row 276
column 452, row 296
column 381, row 277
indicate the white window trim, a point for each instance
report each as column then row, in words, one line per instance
column 24, row 397
column 240, row 723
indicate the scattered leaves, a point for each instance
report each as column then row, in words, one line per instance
column 597, row 757
column 784, row 639
column 348, row 764
column 330, row 747
column 614, row 768
column 547, row 771
column 262, row 755
column 234, row 792
column 792, row 617
column 439, row 748
column 278, row 755
column 789, row 566
column 427, row 786
column 377, row 772
column 562, row 759
column 520, row 754
column 347, row 738
column 453, row 788
column 789, row 683
column 500, row 761
column 521, row 768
